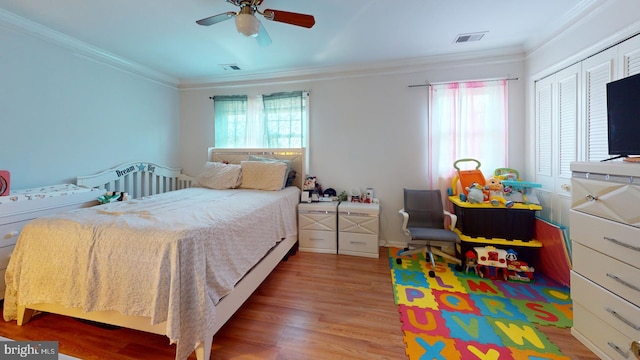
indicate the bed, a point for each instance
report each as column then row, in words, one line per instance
column 149, row 263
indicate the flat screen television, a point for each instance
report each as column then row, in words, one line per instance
column 623, row 117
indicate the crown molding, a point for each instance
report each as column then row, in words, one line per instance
column 394, row 67
column 579, row 13
column 27, row 27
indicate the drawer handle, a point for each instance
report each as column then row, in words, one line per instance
column 590, row 197
column 618, row 349
column 316, row 239
column 358, row 242
column 621, row 318
column 11, row 234
column 618, row 242
column 630, row 286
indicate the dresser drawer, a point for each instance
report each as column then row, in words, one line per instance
column 9, row 232
column 358, row 244
column 616, row 345
column 619, row 241
column 318, row 241
column 615, row 276
column 607, row 199
column 617, row 312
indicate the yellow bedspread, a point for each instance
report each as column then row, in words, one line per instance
column 170, row 257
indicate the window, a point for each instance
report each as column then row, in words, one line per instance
column 267, row 121
column 466, row 120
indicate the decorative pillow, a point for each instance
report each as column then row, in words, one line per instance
column 217, row 175
column 291, row 174
column 260, row 175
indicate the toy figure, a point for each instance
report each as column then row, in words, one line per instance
column 471, row 262
column 309, row 183
column 496, row 193
column 475, row 193
column 518, row 270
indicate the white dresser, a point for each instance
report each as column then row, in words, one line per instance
column 605, row 235
column 358, row 227
column 24, row 205
column 317, row 227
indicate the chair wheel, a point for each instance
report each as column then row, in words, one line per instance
column 432, row 273
column 399, row 261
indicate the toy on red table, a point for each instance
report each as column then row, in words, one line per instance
column 492, row 262
column 518, row 270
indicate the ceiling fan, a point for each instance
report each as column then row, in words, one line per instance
column 249, row 25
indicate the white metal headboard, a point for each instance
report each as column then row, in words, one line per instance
column 297, row 157
column 138, row 179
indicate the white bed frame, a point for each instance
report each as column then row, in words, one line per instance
column 138, row 179
column 230, row 303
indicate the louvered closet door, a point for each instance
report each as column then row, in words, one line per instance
column 545, row 106
column 557, row 114
column 598, row 70
column 629, row 57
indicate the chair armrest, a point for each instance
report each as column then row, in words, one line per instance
column 453, row 217
column 405, row 220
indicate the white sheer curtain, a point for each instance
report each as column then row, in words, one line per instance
column 466, row 120
column 230, row 121
column 264, row 121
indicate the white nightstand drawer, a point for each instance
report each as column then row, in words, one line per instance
column 358, row 244
column 359, row 224
column 615, row 276
column 318, row 241
column 607, row 339
column 619, row 241
column 317, row 220
column 617, row 312
column 9, row 232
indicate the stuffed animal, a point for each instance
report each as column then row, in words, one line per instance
column 309, row 183
column 475, row 193
column 496, row 192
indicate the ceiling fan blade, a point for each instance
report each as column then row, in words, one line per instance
column 263, row 37
column 292, row 18
column 216, row 18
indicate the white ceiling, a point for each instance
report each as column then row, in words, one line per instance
column 162, row 35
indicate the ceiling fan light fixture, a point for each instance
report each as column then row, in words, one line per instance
column 248, row 25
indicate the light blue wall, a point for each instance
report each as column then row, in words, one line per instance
column 64, row 115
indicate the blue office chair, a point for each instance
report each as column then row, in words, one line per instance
column 423, row 220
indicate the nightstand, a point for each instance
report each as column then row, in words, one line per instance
column 358, row 225
column 22, row 206
column 317, row 227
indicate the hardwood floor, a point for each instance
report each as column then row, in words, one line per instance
column 313, row 306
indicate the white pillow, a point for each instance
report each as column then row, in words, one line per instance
column 217, row 175
column 260, row 175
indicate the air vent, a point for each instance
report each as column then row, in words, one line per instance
column 230, row 67
column 464, row 38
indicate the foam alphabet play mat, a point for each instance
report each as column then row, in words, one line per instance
column 459, row 315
